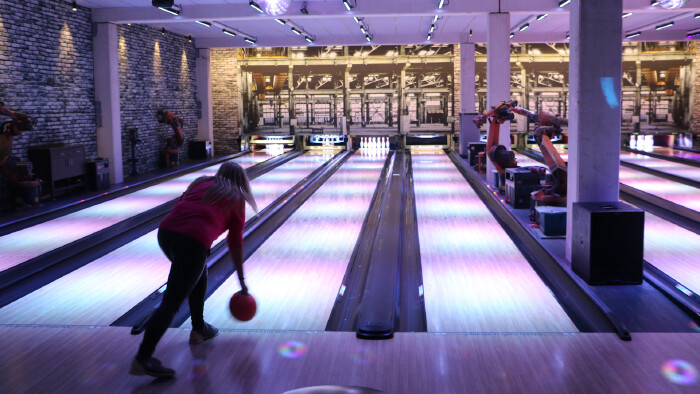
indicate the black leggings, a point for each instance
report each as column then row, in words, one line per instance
column 187, row 278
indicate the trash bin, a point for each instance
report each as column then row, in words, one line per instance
column 97, row 174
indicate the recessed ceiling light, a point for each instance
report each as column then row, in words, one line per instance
column 635, row 34
column 626, row 14
column 540, row 17
column 203, row 23
column 665, row 25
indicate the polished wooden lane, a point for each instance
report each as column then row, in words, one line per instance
column 296, row 274
column 684, row 195
column 667, row 246
column 96, row 360
column 33, row 241
column 666, row 166
column 475, row 279
column 103, row 290
column 683, row 154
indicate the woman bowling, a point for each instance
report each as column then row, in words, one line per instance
column 209, row 206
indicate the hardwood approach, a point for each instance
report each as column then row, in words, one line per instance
column 38, row 359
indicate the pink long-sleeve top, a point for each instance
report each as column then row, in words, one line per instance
column 204, row 222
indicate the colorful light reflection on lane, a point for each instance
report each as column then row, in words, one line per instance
column 33, row 241
column 669, row 167
column 296, row 273
column 100, row 292
column 475, row 278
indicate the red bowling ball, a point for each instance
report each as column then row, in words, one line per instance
column 242, row 306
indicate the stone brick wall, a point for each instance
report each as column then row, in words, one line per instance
column 226, row 100
column 156, row 71
column 46, row 71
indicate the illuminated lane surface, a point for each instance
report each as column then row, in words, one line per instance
column 684, row 195
column 667, row 246
column 475, row 278
column 102, row 291
column 669, row 167
column 31, row 242
column 684, row 154
column 295, row 275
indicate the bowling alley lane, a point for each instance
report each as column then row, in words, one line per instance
column 667, row 246
column 684, row 195
column 103, row 290
column 669, row 167
column 475, row 278
column 295, row 275
column 31, row 242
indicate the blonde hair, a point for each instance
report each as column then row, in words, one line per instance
column 230, row 181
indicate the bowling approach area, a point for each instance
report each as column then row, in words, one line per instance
column 473, row 309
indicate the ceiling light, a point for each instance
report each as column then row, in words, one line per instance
column 524, row 27
column 635, row 34
column 230, row 33
column 309, row 39
column 364, row 31
column 512, row 35
column 255, row 5
column 347, row 5
column 564, row 2
column 357, row 20
column 654, row 2
column 203, row 23
column 693, row 34
column 432, row 27
column 665, row 25
column 162, row 31
column 435, row 19
column 567, row 37
column 442, row 3
column 626, row 14
column 697, row 15
column 470, row 32
column 250, row 40
column 430, row 35
column 542, row 16
column 297, row 32
column 75, row 6
column 281, row 21
column 367, row 37
column 189, row 38
column 170, row 10
column 303, row 9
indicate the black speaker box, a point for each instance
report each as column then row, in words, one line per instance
column 97, row 174
column 608, row 243
column 199, row 150
column 473, row 149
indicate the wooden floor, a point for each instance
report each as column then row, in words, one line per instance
column 38, row 359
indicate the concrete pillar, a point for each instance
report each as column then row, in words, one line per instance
column 105, row 46
column 390, row 112
column 467, row 77
column 292, row 109
column 402, row 112
column 346, row 97
column 595, row 72
column 335, row 110
column 636, row 112
column 205, row 122
column 498, row 71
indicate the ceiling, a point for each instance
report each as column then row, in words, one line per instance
column 328, row 22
